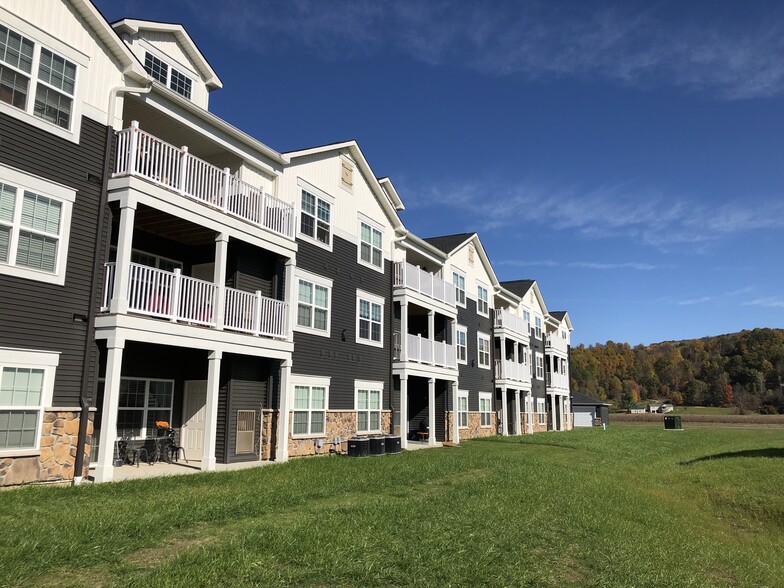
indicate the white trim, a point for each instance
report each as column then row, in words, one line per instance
column 461, row 329
column 483, row 336
column 372, row 299
column 316, row 280
column 65, row 195
column 489, row 397
column 461, row 273
column 145, row 428
column 319, row 194
column 303, row 380
column 462, row 394
column 369, row 386
column 486, row 288
column 373, row 225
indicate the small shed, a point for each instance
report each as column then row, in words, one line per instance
column 588, row 411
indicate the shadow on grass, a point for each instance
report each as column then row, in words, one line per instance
column 768, row 452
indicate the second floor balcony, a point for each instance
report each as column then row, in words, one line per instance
column 507, row 369
column 423, row 350
column 424, row 282
column 143, row 155
column 171, row 296
column 506, row 320
column 557, row 381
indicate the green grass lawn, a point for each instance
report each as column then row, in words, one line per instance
column 630, row 506
column 709, row 410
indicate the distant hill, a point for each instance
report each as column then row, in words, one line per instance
column 744, row 370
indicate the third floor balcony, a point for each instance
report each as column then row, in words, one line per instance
column 425, row 283
column 555, row 342
column 506, row 320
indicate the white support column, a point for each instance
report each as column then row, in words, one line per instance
column 504, row 413
column 403, row 330
column 403, row 412
column 219, row 278
column 282, row 450
column 455, row 413
column 211, row 410
column 431, row 334
column 104, row 469
column 291, row 297
column 517, row 412
column 431, row 411
column 529, row 419
column 552, row 404
column 122, row 269
column 502, row 357
column 561, row 407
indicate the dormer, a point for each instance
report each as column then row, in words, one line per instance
column 171, row 57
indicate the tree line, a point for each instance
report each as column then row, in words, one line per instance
column 743, row 370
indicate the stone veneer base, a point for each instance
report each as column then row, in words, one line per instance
column 341, row 424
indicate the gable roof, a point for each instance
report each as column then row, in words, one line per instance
column 519, row 287
column 103, row 30
column 561, row 316
column 449, row 243
column 382, row 188
column 134, row 25
column 579, row 399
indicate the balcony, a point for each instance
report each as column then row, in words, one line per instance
column 511, row 370
column 558, row 381
column 182, row 299
column 414, row 278
column 555, row 342
column 506, row 320
column 142, row 155
column 422, row 350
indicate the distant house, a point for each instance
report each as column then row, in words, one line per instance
column 666, row 407
column 588, row 411
column 638, row 409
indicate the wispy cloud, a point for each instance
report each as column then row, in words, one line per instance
column 722, row 296
column 582, row 264
column 768, row 302
column 630, row 43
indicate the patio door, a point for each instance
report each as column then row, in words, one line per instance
column 194, row 409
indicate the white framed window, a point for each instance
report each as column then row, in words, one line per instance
column 540, row 410
column 168, row 76
column 462, row 409
column 563, row 334
column 370, row 319
column 483, row 350
column 314, row 295
column 143, row 402
column 459, row 282
column 315, row 216
column 371, row 241
column 461, row 343
column 149, row 259
column 563, row 367
column 539, row 365
column 485, row 409
column 368, row 399
column 35, row 222
column 527, row 316
column 309, row 409
column 26, row 387
column 538, row 326
column 39, row 78
column 482, row 300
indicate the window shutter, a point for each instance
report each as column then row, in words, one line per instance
column 246, row 429
column 347, row 175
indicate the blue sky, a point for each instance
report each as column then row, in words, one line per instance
column 626, row 155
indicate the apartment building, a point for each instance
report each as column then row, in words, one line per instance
column 159, row 266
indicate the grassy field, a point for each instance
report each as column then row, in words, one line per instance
column 709, row 410
column 630, row 506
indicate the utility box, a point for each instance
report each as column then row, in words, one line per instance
column 673, row 423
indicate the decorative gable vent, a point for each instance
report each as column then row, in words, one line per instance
column 346, row 175
column 246, row 428
column 471, row 255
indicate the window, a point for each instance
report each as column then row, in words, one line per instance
column 309, row 412
column 461, row 334
column 142, row 403
column 540, row 410
column 48, row 93
column 35, row 217
column 370, row 313
column 538, row 329
column 563, row 334
column 462, row 409
column 459, row 282
column 539, row 366
column 26, row 384
column 563, row 367
column 368, row 400
column 483, row 349
column 313, row 303
column 370, row 245
column 148, row 259
column 527, row 318
column 485, row 409
column 482, row 304
column 315, row 218
column 168, row 76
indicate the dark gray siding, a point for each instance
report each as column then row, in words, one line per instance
column 341, row 357
column 471, row 377
column 538, row 389
column 36, row 315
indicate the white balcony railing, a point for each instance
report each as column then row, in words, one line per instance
column 560, row 381
column 508, row 369
column 556, row 342
column 506, row 320
column 417, row 279
column 423, row 350
column 178, row 298
column 143, row 155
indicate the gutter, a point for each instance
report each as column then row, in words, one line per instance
column 89, row 338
